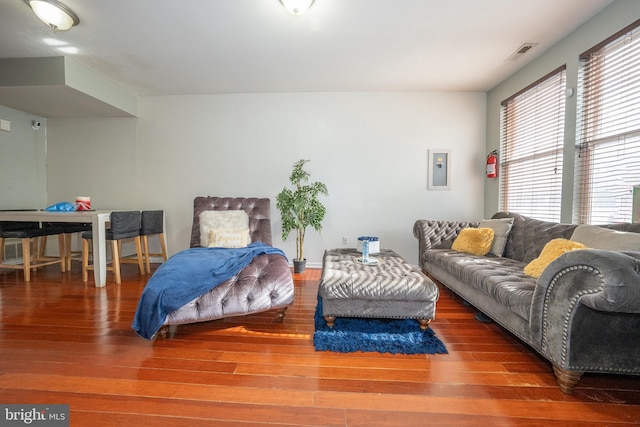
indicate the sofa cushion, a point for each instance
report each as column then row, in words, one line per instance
column 528, row 236
column 503, row 279
column 550, row 252
column 501, row 228
column 476, row 241
column 604, row 238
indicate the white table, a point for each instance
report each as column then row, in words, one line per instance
column 97, row 218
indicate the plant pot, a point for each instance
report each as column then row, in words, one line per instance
column 299, row 265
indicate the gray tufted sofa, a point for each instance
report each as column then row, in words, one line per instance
column 265, row 284
column 582, row 314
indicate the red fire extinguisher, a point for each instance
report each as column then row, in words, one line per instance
column 492, row 164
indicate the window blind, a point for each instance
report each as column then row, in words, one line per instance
column 608, row 152
column 532, row 139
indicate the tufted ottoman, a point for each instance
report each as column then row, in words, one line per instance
column 391, row 289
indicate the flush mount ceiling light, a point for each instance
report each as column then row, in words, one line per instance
column 297, row 7
column 53, row 13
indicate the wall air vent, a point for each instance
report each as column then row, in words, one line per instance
column 521, row 51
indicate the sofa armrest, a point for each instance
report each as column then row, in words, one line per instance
column 600, row 280
column 616, row 274
column 431, row 233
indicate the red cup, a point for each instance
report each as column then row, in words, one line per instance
column 83, row 203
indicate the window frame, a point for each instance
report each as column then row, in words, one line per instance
column 528, row 150
column 607, row 140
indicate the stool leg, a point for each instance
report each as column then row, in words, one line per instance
column 146, row 254
column 115, row 255
column 63, row 253
column 26, row 258
column 163, row 246
column 67, row 250
column 139, row 254
column 42, row 248
column 85, row 259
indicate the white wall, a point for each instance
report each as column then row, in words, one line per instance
column 93, row 157
column 566, row 52
column 23, row 173
column 370, row 149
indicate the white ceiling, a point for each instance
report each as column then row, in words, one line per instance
column 160, row 47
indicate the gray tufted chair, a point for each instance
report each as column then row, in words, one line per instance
column 265, row 284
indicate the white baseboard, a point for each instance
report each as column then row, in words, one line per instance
column 309, row 264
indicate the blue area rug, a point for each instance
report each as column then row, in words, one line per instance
column 395, row 336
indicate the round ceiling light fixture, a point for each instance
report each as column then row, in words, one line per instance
column 297, row 7
column 53, row 13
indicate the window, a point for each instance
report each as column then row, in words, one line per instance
column 531, row 147
column 608, row 154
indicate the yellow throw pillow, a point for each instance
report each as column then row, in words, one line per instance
column 475, row 241
column 228, row 238
column 552, row 250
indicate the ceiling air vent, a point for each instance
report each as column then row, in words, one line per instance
column 521, row 51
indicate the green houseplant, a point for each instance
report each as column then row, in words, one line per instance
column 299, row 207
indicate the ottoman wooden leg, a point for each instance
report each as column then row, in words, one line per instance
column 330, row 320
column 280, row 315
column 424, row 323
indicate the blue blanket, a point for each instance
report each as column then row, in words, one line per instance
column 187, row 275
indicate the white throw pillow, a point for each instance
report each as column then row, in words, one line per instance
column 501, row 229
column 228, row 238
column 605, row 238
column 221, row 220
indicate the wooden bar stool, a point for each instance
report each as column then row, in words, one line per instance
column 152, row 225
column 29, row 232
column 124, row 225
column 68, row 229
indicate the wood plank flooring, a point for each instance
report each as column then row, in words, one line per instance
column 62, row 341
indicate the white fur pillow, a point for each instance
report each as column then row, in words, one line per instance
column 221, row 220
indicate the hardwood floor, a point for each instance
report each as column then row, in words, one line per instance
column 66, row 342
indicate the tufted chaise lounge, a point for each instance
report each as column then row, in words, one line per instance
column 265, row 284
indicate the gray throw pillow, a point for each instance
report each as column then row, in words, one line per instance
column 501, row 229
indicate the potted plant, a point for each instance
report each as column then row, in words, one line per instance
column 299, row 207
